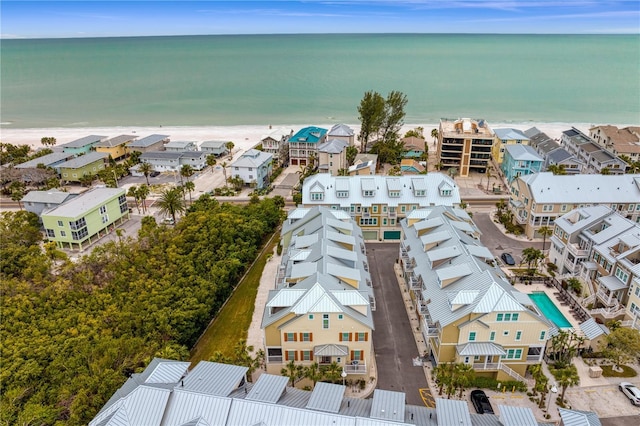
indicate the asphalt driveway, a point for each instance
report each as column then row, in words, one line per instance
column 393, row 340
column 498, row 243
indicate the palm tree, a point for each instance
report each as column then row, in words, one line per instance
column 531, row 256
column 171, row 202
column 332, row 371
column 143, row 193
column 605, row 171
column 541, row 382
column 557, row 169
column 146, row 170
column 443, row 373
column 464, row 375
column 211, row 161
column 190, row 186
column 187, row 171
column 545, row 231
column 313, row 373
column 434, row 135
column 292, row 371
column 229, row 145
column 224, row 171
column 567, row 377
column 133, row 192
column 489, row 176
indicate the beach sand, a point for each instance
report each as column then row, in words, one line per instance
column 243, row 137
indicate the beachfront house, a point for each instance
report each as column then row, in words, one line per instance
column 162, row 161
column 217, row 148
column 537, row 200
column 52, row 160
column 625, row 141
column 342, row 132
column 196, row 159
column 468, row 310
column 364, row 164
column 83, row 220
column 378, row 203
column 148, row 143
column 332, row 156
column 414, row 147
column 115, row 147
column 276, row 143
column 520, row 160
column 254, row 168
column 181, row 146
column 595, row 158
column 409, row 166
column 321, row 308
column 552, row 153
column 304, row 144
column 82, row 145
column 85, row 165
column 464, row 146
column 38, row 201
column 506, row 137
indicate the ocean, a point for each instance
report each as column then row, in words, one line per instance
column 309, row 79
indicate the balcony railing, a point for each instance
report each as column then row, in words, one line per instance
column 608, row 299
column 361, row 368
column 274, row 359
column 576, row 251
column 533, row 358
column 487, row 366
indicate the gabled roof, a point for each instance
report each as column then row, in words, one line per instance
column 147, row 141
column 83, row 160
column 82, row 142
column 214, row 378
column 579, row 418
column 309, row 135
column 452, row 412
column 592, row 329
column 516, row 416
column 46, row 197
column 388, row 405
column 341, row 130
column 117, row 141
column 160, row 155
column 268, row 388
column 87, row 201
column 213, row 144
column 47, row 160
column 333, row 146
column 326, row 397
column 510, row 134
column 522, row 153
column 253, row 158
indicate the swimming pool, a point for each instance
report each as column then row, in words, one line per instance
column 549, row 309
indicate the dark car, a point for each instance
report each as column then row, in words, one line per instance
column 481, row 402
column 154, row 174
column 508, row 259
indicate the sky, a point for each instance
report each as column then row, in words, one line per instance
column 55, row 19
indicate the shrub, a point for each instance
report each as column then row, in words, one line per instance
column 491, row 383
column 279, row 249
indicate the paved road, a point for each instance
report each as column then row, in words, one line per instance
column 620, row 421
column 498, row 243
column 393, row 338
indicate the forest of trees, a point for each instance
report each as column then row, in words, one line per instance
column 73, row 332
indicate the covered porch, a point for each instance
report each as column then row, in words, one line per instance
column 482, row 355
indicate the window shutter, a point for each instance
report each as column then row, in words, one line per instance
column 286, row 337
column 311, row 355
column 366, row 337
column 361, row 355
column 311, row 337
column 295, row 337
column 341, row 337
column 295, row 355
column 286, row 355
column 350, row 336
column 357, row 338
column 352, row 354
column 301, row 338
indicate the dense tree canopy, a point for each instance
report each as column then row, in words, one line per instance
column 71, row 338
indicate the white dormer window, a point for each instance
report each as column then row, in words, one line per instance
column 368, row 193
column 317, row 196
column 342, row 194
column 394, row 194
column 420, row 192
column 445, row 193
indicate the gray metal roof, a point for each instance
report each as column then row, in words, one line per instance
column 47, row 160
column 480, row 348
column 579, row 418
column 252, row 413
column 340, row 130
column 186, row 406
column 268, row 388
column 559, row 155
column 326, row 397
column 85, row 202
column 87, row 140
column 330, row 349
column 333, row 146
column 180, row 144
column 145, row 405
column 118, row 140
column 213, row 144
column 452, row 412
column 510, row 134
column 612, row 282
column 592, row 329
column 193, row 154
column 214, row 378
column 521, row 152
column 83, row 160
column 147, row 141
column 252, row 158
column 46, row 197
column 516, row 416
column 160, row 155
column 388, row 405
column 165, row 371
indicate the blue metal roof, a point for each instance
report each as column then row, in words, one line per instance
column 309, row 134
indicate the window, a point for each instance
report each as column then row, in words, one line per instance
column 492, row 336
column 63, row 234
column 357, row 355
column 384, row 221
column 505, row 333
column 325, row 321
column 51, row 233
column 513, row 354
column 466, row 359
column 499, row 317
column 543, row 334
column 237, row 168
column 105, row 218
column 472, row 336
column 362, row 337
column 317, row 196
column 60, row 224
column 507, row 317
column 342, row 194
column 345, row 337
column 374, row 209
column 310, row 316
column 514, row 316
column 622, row 276
column 103, row 209
column 637, row 292
column 368, row 193
column 563, row 208
column 368, row 221
column 340, row 316
column 291, row 355
column 547, row 207
column 80, row 235
column 250, row 169
column 307, row 355
column 518, row 335
column 290, row 337
column 80, row 223
column 306, row 337
column 403, row 209
column 394, row 194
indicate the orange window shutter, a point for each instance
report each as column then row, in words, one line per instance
column 311, row 337
column 366, row 337
column 301, row 338
column 352, row 354
column 311, row 355
column 350, row 336
column 286, row 355
column 286, row 337
column 295, row 354
column 361, row 355
column 295, row 337
column 340, row 337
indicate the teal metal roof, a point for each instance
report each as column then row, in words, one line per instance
column 309, row 134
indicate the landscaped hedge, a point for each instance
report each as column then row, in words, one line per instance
column 491, row 383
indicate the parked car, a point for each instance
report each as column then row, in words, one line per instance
column 631, row 391
column 168, row 221
column 480, row 402
column 508, row 259
column 154, row 173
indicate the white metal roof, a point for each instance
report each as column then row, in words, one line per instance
column 185, row 406
column 47, row 160
column 326, row 397
column 497, row 299
column 85, row 202
column 268, row 388
column 579, row 418
column 592, row 329
column 516, row 416
column 83, row 160
column 480, row 348
column 144, row 405
column 388, row 405
column 168, row 372
column 214, row 378
column 452, row 412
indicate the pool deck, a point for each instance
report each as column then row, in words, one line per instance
column 540, row 287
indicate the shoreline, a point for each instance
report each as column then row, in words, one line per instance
column 243, row 136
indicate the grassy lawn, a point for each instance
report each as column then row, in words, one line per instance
column 234, row 318
column 607, row 371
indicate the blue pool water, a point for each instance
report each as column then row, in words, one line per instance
column 549, row 309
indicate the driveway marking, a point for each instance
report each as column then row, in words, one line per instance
column 427, row 398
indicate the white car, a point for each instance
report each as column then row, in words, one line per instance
column 631, row 391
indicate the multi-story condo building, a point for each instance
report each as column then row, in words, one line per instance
column 254, row 167
column 465, row 145
column 520, row 160
column 624, row 141
column 304, row 144
column 82, row 220
column 553, row 153
column 469, row 312
column 378, row 203
column 537, row 200
column 276, row 143
column 504, row 138
column 88, row 164
column 342, row 132
column 82, row 145
column 595, row 158
column 603, row 248
column 115, row 147
column 321, row 308
column 332, row 156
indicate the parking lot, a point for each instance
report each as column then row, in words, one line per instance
column 606, row 401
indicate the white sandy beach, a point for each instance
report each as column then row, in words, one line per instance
column 244, row 137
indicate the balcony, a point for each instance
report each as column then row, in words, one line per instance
column 576, row 251
column 533, row 358
column 422, row 307
column 392, row 215
column 359, row 368
column 486, row 367
column 607, row 298
column 571, row 267
column 274, row 359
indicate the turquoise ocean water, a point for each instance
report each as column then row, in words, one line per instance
column 307, row 79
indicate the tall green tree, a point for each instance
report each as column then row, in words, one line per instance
column 211, row 161
column 143, row 192
column 622, row 346
column 566, row 377
column 146, row 169
column 230, row 145
column 351, row 153
column 48, row 141
column 434, row 135
column 371, row 115
column 545, row 231
column 313, row 373
column 133, row 192
column 190, row 186
column 393, row 115
column 293, row 371
column 532, row 256
column 171, row 202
